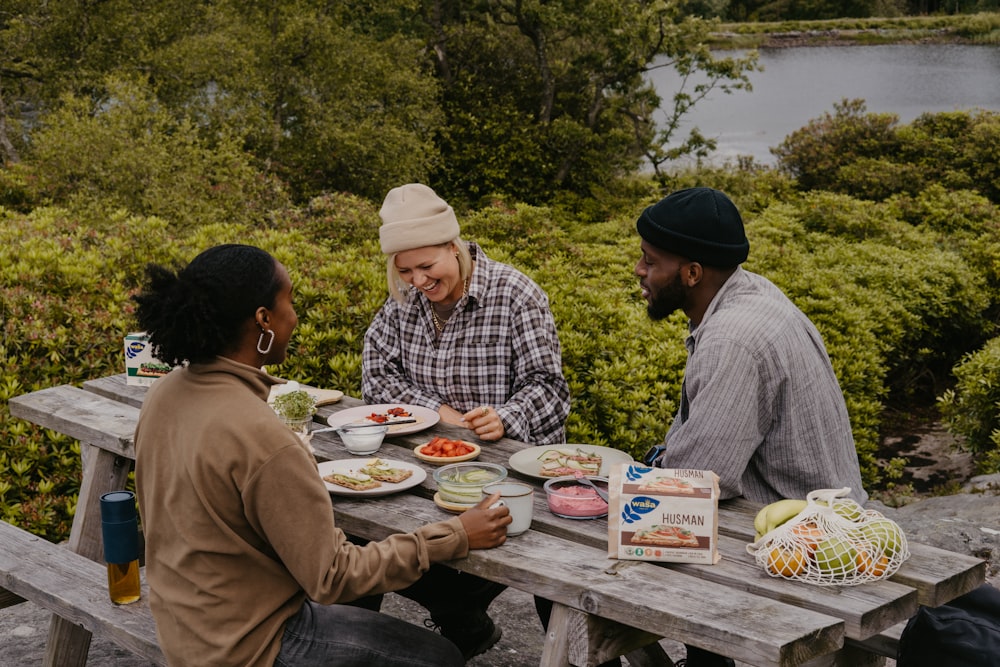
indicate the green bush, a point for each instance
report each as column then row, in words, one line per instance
column 868, row 156
column 972, row 408
column 895, row 288
column 130, row 154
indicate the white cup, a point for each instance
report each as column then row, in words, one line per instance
column 519, row 499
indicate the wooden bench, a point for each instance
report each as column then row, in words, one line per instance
column 74, row 588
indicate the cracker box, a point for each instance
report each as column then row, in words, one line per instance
column 141, row 367
column 663, row 514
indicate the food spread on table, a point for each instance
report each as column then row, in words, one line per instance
column 575, row 501
column 390, row 416
column 665, row 536
column 667, row 485
column 562, row 462
column 353, row 479
column 445, row 448
column 462, row 483
column 383, row 472
column 369, row 476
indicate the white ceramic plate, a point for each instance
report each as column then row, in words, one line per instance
column 344, row 465
column 425, row 417
column 526, row 461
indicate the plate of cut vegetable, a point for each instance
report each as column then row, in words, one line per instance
column 440, row 451
column 548, row 461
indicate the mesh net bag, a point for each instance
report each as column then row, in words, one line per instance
column 833, row 541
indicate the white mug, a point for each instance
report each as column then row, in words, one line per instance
column 519, row 499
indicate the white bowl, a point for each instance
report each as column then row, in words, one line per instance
column 364, row 440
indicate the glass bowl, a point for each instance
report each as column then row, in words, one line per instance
column 462, row 483
column 363, row 441
column 570, row 499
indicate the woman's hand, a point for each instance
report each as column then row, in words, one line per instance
column 485, row 527
column 450, row 415
column 485, row 422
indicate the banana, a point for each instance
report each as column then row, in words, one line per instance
column 773, row 515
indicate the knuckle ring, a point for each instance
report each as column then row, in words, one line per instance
column 486, row 410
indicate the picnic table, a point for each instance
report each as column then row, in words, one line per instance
column 601, row 607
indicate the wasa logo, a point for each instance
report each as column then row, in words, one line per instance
column 134, row 348
column 638, row 506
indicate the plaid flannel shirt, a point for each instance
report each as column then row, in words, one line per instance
column 499, row 348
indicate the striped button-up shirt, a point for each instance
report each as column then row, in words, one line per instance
column 761, row 406
column 498, row 348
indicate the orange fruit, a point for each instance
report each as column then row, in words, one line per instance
column 873, row 566
column 808, row 534
column 786, row 562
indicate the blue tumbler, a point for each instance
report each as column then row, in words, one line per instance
column 120, row 530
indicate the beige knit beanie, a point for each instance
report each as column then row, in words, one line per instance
column 414, row 217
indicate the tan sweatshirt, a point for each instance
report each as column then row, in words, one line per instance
column 239, row 527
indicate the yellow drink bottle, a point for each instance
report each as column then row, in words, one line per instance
column 120, row 530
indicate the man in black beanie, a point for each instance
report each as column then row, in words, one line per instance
column 760, row 404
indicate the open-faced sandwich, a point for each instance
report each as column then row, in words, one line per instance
column 665, row 536
column 355, row 480
column 382, row 471
column 667, row 485
column 562, row 462
column 391, row 416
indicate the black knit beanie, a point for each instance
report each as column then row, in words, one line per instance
column 700, row 224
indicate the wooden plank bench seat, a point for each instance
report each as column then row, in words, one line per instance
column 885, row 643
column 74, row 588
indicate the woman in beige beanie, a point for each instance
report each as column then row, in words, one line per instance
column 473, row 339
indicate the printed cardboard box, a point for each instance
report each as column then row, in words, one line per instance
column 663, row 514
column 141, row 367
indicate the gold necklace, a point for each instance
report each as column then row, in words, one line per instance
column 438, row 322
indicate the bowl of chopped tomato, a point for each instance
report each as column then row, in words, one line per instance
column 440, row 451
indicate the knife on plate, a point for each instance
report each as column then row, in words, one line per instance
column 354, row 425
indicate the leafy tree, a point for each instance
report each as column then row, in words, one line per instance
column 320, row 105
column 562, row 85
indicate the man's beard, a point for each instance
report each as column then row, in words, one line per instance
column 667, row 299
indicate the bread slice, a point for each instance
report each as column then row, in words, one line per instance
column 354, row 483
column 380, row 470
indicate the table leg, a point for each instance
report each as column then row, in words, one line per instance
column 849, row 656
column 69, row 644
column 555, row 651
column 580, row 639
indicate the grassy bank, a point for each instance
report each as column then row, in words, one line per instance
column 981, row 28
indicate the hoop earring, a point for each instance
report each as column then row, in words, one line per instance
column 269, row 343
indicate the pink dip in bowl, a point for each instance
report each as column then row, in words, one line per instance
column 572, row 500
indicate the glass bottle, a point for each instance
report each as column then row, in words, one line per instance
column 120, row 530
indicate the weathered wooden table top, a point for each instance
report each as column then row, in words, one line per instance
column 565, row 560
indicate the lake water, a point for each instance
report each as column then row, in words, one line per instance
column 802, row 83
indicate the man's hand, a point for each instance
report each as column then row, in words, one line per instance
column 486, row 528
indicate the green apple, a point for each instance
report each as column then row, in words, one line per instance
column 883, row 535
column 836, row 555
column 848, row 509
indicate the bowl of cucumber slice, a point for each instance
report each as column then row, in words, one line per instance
column 462, row 483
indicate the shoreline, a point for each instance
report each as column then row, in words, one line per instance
column 837, row 37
